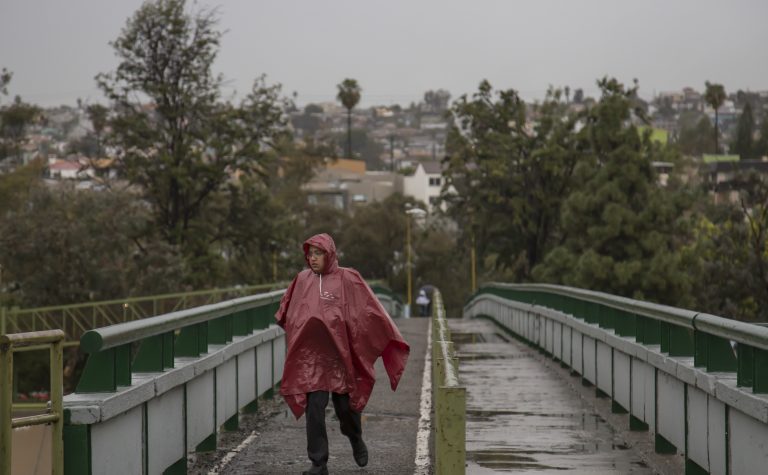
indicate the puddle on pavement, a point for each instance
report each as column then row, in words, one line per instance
column 506, row 460
column 523, row 418
column 460, row 338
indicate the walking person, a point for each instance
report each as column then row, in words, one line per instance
column 335, row 329
column 423, row 302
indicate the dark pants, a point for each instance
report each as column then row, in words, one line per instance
column 317, row 437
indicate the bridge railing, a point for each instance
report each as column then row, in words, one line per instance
column 450, row 396
column 678, row 332
column 76, row 319
column 156, row 388
column 9, row 344
column 698, row 381
column 153, row 390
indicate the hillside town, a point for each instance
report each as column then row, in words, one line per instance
column 401, row 149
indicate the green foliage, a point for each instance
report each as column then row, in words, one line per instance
column 5, row 79
column 510, row 175
column 373, row 236
column 67, row 246
column 761, row 147
column 98, row 115
column 16, row 186
column 696, row 139
column 620, row 228
column 743, row 143
column 15, row 119
column 365, row 148
column 186, row 149
column 728, row 258
column 437, row 101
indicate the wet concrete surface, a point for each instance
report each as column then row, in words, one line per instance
column 526, row 415
column 278, row 445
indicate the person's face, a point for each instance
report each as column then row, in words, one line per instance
column 316, row 259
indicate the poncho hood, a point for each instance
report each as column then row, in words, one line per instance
column 324, row 242
column 335, row 329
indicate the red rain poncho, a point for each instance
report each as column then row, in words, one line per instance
column 335, row 330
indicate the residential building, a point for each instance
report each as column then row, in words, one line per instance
column 425, row 183
column 346, row 184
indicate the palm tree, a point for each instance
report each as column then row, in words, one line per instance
column 349, row 96
column 715, row 96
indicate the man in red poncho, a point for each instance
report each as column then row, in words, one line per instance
column 335, row 329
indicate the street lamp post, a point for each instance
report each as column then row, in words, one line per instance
column 418, row 213
column 474, row 264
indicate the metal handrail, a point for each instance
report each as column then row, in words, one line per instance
column 8, row 344
column 741, row 332
column 76, row 319
column 104, row 338
column 150, row 298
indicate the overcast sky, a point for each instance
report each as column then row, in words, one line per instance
column 397, row 49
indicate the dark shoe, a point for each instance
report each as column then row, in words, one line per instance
column 360, row 452
column 316, row 470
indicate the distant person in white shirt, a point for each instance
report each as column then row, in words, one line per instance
column 423, row 302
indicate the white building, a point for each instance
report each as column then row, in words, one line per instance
column 425, row 183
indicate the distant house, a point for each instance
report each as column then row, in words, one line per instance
column 346, row 184
column 105, row 168
column 79, row 168
column 425, row 183
column 723, row 175
column 64, row 170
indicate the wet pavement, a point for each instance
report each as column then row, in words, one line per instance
column 525, row 414
column 524, row 417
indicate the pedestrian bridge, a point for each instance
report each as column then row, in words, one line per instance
column 473, row 400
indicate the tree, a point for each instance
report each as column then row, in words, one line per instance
column 761, row 147
column 509, row 174
column 715, row 96
column 5, row 79
column 182, row 144
column 437, row 101
column 349, row 96
column 15, row 119
column 696, row 139
column 726, row 257
column 620, row 228
column 374, row 235
column 743, row 142
column 69, row 246
column 366, row 148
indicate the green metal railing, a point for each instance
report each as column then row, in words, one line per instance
column 77, row 319
column 111, row 360
column 678, row 332
column 9, row 344
column 450, row 396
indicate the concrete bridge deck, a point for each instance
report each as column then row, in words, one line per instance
column 524, row 414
